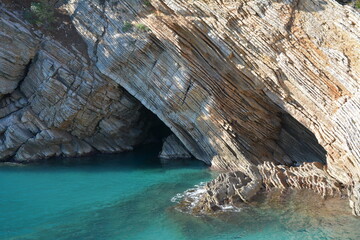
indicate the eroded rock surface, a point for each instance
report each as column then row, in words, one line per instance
column 221, row 73
column 63, row 105
column 15, row 38
column 230, row 189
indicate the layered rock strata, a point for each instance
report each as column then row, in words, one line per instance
column 172, row 149
column 54, row 102
column 230, row 189
column 221, row 73
column 15, row 38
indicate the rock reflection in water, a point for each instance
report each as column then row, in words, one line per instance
column 290, row 214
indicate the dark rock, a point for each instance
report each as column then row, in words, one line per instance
column 173, row 149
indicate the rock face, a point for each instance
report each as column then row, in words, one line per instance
column 12, row 64
column 221, row 74
column 173, row 148
column 63, row 105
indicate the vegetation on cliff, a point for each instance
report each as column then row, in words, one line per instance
column 41, row 13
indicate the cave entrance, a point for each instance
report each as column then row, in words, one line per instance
column 156, row 131
column 162, row 142
column 299, row 143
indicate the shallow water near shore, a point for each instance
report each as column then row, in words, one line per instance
column 128, row 196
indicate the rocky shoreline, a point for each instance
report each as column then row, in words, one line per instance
column 232, row 188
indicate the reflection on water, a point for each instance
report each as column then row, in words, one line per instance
column 289, row 214
column 128, row 196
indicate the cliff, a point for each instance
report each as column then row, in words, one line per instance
column 222, row 74
column 240, row 83
column 54, row 102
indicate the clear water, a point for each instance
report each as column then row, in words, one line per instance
column 127, row 196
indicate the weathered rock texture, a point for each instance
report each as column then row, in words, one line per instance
column 15, row 38
column 173, row 148
column 221, row 74
column 235, row 187
column 63, row 105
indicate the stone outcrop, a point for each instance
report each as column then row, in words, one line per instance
column 173, row 148
column 307, row 176
column 230, row 189
column 221, row 74
column 57, row 103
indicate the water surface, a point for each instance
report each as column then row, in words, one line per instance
column 128, row 196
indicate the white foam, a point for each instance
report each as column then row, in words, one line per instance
column 192, row 197
column 230, row 208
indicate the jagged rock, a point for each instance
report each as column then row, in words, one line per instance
column 63, row 106
column 220, row 73
column 18, row 47
column 235, row 187
column 173, row 148
column 307, row 176
column 207, row 119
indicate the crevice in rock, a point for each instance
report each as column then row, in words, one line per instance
column 290, row 23
column 26, row 70
column 186, row 92
column 344, row 2
column 100, row 38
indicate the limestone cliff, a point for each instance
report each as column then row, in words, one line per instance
column 242, row 84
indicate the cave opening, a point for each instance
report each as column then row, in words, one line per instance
column 299, row 143
column 156, row 130
column 162, row 141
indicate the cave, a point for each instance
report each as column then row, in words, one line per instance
column 299, row 143
column 156, row 130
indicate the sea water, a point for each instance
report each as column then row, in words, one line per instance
column 134, row 196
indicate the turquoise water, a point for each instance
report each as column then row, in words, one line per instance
column 128, row 196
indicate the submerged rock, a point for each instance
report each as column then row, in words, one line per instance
column 173, row 148
column 230, row 189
